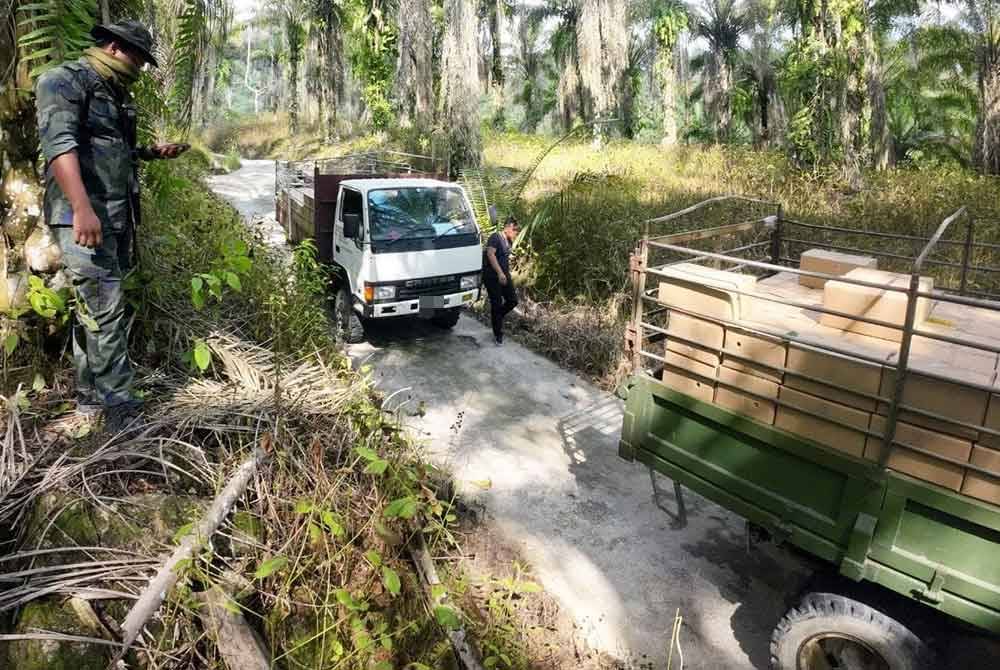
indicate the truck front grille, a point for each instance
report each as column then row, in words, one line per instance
column 414, row 288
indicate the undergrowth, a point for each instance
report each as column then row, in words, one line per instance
column 234, row 352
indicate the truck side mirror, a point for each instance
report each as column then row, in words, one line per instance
column 352, row 226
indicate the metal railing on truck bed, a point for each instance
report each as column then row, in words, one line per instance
column 926, row 541
column 306, row 191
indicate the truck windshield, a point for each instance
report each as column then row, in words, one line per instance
column 418, row 213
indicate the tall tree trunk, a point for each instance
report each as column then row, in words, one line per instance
column 718, row 104
column 602, row 54
column 568, row 93
column 460, row 85
column 666, row 77
column 880, row 140
column 293, row 94
column 333, row 76
column 987, row 142
column 496, row 30
column 414, row 84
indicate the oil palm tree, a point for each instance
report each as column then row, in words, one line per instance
column 721, row 23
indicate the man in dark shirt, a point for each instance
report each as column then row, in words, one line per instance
column 496, row 275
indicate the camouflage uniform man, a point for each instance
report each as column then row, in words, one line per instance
column 87, row 125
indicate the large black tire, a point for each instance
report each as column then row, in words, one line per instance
column 830, row 632
column 446, row 318
column 347, row 324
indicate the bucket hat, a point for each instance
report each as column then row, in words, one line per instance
column 131, row 32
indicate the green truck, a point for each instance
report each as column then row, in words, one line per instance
column 871, row 524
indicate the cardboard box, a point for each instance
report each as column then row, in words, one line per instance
column 919, row 465
column 852, row 375
column 873, row 303
column 980, row 486
column 706, row 291
column 768, row 354
column 749, row 382
column 689, row 376
column 951, row 399
column 992, row 421
column 831, row 263
column 823, row 422
column 747, row 405
column 709, row 336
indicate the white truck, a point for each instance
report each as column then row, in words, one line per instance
column 403, row 241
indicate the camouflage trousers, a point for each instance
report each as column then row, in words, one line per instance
column 103, row 372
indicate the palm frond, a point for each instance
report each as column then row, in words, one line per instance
column 53, row 31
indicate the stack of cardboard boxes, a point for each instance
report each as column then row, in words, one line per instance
column 826, row 378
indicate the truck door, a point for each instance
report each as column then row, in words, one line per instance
column 349, row 253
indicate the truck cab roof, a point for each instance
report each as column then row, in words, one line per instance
column 366, row 185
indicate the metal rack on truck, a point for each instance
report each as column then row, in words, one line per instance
column 853, row 413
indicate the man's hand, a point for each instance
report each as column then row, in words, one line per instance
column 86, row 228
column 503, row 279
column 170, row 150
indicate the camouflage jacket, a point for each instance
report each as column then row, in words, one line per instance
column 79, row 111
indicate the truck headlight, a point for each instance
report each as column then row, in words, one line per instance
column 469, row 281
column 385, row 292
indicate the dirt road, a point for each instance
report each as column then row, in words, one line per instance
column 534, row 447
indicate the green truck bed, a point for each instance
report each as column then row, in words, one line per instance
column 927, row 543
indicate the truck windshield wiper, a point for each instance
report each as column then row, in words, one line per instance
column 455, row 227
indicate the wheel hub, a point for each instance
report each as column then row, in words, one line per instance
column 834, row 651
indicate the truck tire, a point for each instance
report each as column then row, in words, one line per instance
column 347, row 324
column 830, row 632
column 446, row 318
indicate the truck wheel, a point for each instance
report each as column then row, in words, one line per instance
column 446, row 318
column 347, row 323
column 831, row 632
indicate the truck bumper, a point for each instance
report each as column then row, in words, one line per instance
column 423, row 304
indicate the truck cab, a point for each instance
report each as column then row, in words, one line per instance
column 405, row 246
column 402, row 240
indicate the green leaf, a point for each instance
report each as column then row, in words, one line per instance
column 447, row 617
column 332, row 522
column 376, row 467
column 315, row 532
column 10, row 343
column 491, row 661
column 374, row 557
column 528, row 587
column 183, row 531
column 202, row 355
column 231, row 606
column 88, row 321
column 345, row 599
column 386, row 642
column 403, row 508
column 391, row 580
column 303, row 507
column 38, row 385
column 197, row 283
column 383, row 665
column 438, row 591
column 366, row 453
column 270, row 566
column 234, row 282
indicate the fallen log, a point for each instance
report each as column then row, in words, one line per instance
column 156, row 591
column 238, row 644
column 467, row 654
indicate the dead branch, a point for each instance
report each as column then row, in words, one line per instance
column 467, row 654
column 240, row 646
column 155, row 593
